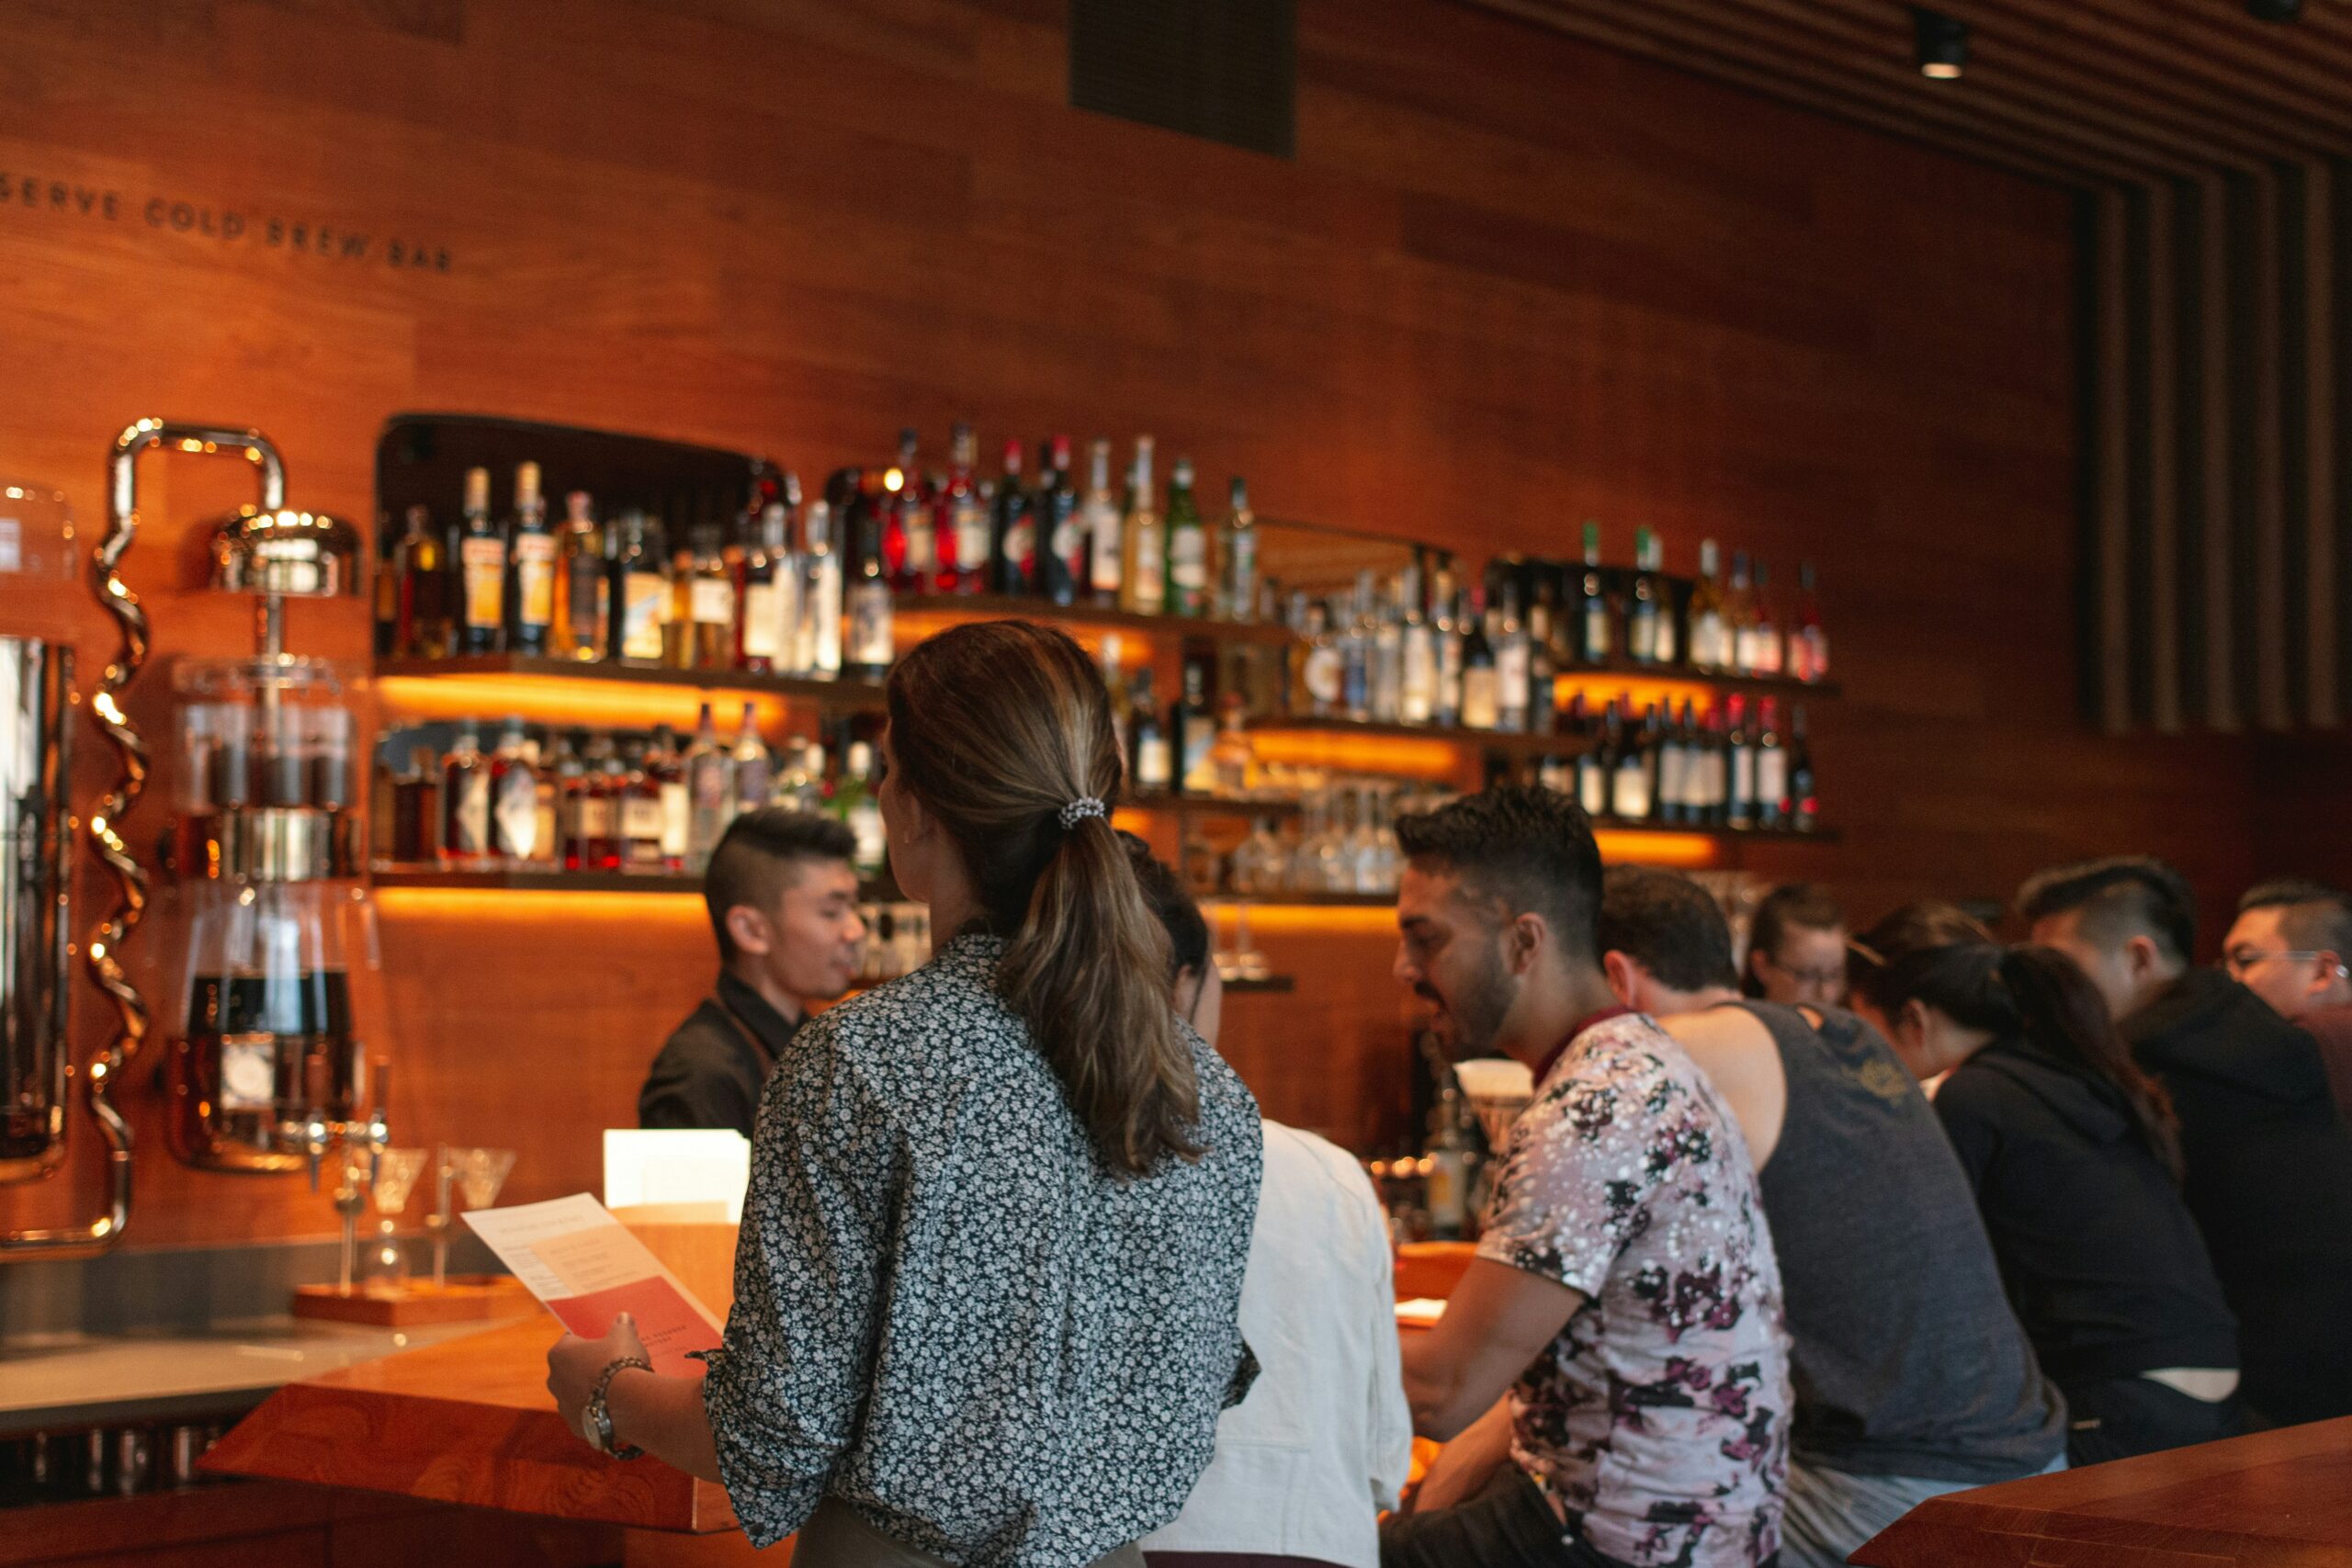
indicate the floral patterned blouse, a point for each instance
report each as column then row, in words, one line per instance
column 949, row 1314
column 1658, row 1419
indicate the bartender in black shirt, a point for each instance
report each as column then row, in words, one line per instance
column 783, row 898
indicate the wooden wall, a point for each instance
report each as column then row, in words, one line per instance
column 1509, row 282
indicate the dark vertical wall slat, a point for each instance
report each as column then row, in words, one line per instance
column 2220, row 694
column 2139, row 456
column 2267, row 487
column 2162, row 655
column 2188, row 444
column 2293, row 604
column 2322, row 705
column 2114, row 520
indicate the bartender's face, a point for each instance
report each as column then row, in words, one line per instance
column 1450, row 953
column 818, row 944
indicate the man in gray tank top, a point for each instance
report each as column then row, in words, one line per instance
column 1911, row 1375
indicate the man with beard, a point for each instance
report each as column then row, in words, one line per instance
column 1624, row 1294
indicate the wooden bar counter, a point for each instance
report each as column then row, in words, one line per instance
column 2277, row 1499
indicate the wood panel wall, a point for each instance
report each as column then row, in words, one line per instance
column 1509, row 281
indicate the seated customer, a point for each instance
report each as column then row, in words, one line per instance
column 1324, row 1441
column 2267, row 1161
column 2292, row 947
column 1911, row 1375
column 1796, row 948
column 2073, row 1154
column 1624, row 1292
column 783, row 900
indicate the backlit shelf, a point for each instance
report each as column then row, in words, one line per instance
column 1509, row 743
column 956, row 607
column 536, row 879
column 845, row 693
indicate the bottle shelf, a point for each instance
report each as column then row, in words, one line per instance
column 1716, row 679
column 529, row 879
column 988, row 606
column 845, row 694
column 1509, row 743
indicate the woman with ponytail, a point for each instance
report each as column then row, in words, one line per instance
column 2074, row 1158
column 987, row 1290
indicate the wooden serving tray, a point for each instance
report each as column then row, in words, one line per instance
column 465, row 1298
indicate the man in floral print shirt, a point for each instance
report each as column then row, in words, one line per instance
column 1625, row 1295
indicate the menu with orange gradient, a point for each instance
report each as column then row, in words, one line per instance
column 588, row 1269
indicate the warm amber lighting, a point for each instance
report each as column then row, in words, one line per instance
column 1639, row 692
column 561, row 700
column 1681, row 849
column 1343, row 752
column 517, row 906
column 1327, row 919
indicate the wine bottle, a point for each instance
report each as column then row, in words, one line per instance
column 481, row 568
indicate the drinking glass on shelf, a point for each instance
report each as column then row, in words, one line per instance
column 384, row 1268
column 1364, row 846
column 1259, row 865
column 480, row 1174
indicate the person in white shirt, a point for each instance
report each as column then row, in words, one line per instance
column 1325, row 1439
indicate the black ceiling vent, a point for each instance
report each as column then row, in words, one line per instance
column 1223, row 69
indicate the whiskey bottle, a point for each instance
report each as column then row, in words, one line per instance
column 640, row 593
column 481, row 568
column 1512, row 665
column 1152, row 769
column 465, row 798
column 422, row 627
column 638, row 817
column 1194, row 723
column 584, row 595
column 1100, row 521
column 1481, row 696
column 665, row 770
column 1237, row 598
column 1188, row 545
column 530, row 553
column 1144, row 571
column 1709, row 628
column 710, row 604
column 708, row 782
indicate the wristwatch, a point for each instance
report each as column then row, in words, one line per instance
column 600, row 1416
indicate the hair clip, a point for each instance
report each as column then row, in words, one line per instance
column 1078, row 810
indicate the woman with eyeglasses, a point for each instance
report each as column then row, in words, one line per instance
column 2073, row 1154
column 987, row 1286
column 1796, row 948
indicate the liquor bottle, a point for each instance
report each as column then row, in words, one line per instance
column 818, row 652
column 1512, row 663
column 1765, row 654
column 1593, row 599
column 1100, row 521
column 1061, row 561
column 422, row 627
column 1596, row 786
column 1543, row 625
column 707, row 772
column 1012, row 532
column 388, row 594
column 1321, row 674
column 1804, row 799
column 1739, row 758
column 1188, row 545
column 665, row 770
column 1353, row 616
column 1710, row 629
column 1114, row 685
column 1192, row 724
column 1481, row 698
column 1771, row 769
column 872, row 639
column 514, row 797
column 481, row 568
column 796, row 787
column 584, row 587
column 859, row 811
column 465, row 798
column 1389, row 655
column 638, row 817
column 755, row 771
column 962, row 525
column 593, row 839
column 708, row 600
column 1740, row 617
column 530, row 555
column 1445, row 637
column 1144, row 580
column 1717, row 772
column 1451, row 1161
column 1237, row 599
column 911, row 527
column 1417, row 680
column 1629, row 784
column 568, row 772
column 1643, row 612
column 1808, row 644
column 1590, row 771
column 609, row 789
column 1666, row 641
column 640, row 593
column 771, row 592
column 1153, row 767
column 1674, row 767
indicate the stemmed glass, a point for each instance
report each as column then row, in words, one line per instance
column 396, row 1175
column 479, row 1173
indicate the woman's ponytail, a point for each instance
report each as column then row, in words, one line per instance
column 1002, row 729
column 2064, row 1015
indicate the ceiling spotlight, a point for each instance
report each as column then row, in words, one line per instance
column 2274, row 10
column 1942, row 50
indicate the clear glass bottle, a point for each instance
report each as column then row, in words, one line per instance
column 583, row 596
column 1188, row 545
column 1144, row 547
column 708, row 785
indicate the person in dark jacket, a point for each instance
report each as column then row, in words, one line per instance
column 1913, row 1377
column 2268, row 1162
column 2074, row 1156
column 783, row 898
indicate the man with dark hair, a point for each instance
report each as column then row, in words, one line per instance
column 1624, row 1292
column 1913, row 1377
column 2268, row 1163
column 783, row 898
column 2292, row 947
column 1796, row 948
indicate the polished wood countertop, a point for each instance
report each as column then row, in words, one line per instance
column 468, row 1421
column 2280, row 1499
